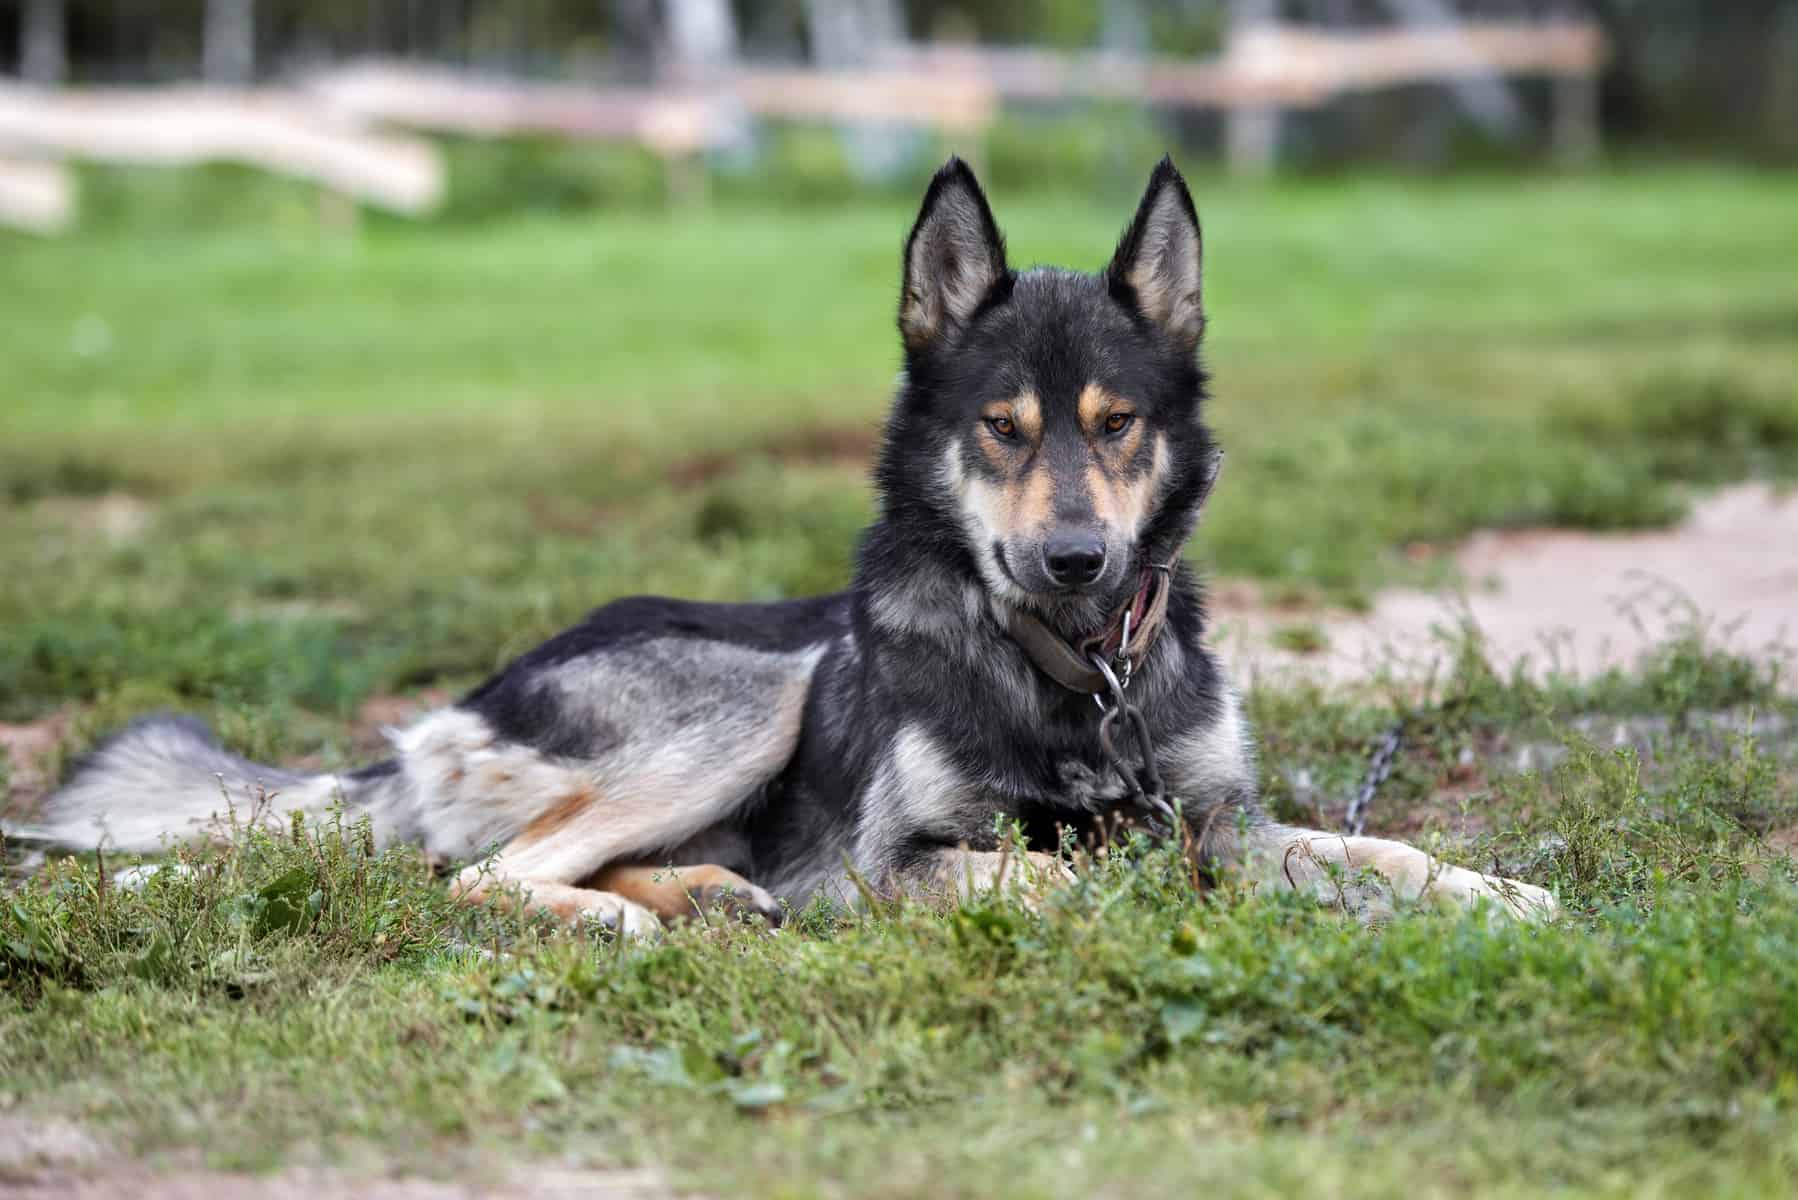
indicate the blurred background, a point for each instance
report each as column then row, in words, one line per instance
column 639, row 102
column 348, row 346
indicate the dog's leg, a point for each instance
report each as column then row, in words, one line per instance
column 627, row 752
column 1373, row 876
column 681, row 893
column 1212, row 771
column 956, row 875
column 575, row 905
column 568, row 875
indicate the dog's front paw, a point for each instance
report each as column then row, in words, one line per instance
column 625, row 918
column 1509, row 897
column 1024, row 879
column 1525, row 901
column 739, row 899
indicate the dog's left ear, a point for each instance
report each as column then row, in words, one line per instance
column 1155, row 271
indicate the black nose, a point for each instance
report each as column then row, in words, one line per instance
column 1074, row 559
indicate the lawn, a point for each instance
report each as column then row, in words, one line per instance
column 265, row 477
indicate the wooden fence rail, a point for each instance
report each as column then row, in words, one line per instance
column 325, row 128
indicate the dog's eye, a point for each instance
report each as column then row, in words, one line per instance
column 1117, row 422
column 1002, row 426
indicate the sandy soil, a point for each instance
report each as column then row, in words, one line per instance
column 41, row 1159
column 29, row 748
column 1557, row 599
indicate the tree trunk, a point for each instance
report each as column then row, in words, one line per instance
column 702, row 35
column 43, row 54
column 847, row 35
column 228, row 48
column 1251, row 135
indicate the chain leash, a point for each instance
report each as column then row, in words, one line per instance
column 1141, row 777
column 1379, row 769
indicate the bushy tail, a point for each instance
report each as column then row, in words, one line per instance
column 165, row 779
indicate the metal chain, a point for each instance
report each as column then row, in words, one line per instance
column 1379, row 769
column 1144, row 780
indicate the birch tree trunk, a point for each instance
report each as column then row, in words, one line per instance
column 228, row 42
column 43, row 56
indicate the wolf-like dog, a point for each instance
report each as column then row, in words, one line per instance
column 1044, row 462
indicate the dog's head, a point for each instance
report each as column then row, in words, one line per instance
column 1049, row 419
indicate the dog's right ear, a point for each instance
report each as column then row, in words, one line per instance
column 954, row 258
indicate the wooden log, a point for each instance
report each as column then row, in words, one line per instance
column 443, row 101
column 282, row 133
column 956, row 103
column 38, row 197
column 671, row 122
column 1282, row 65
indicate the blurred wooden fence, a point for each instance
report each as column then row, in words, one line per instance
column 330, row 128
column 277, row 131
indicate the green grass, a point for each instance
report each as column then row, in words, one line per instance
column 262, row 476
column 303, row 993
column 397, row 459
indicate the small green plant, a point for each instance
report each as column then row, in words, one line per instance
column 1301, row 639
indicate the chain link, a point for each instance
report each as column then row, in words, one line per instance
column 1379, row 769
column 1143, row 779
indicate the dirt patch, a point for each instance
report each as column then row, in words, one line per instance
column 130, row 1182
column 1455, row 801
column 1784, row 840
column 115, row 516
column 28, row 1146
column 40, row 1159
column 851, row 445
column 30, row 751
column 1551, row 600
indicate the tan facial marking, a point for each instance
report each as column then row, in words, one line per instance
column 1096, row 405
column 1018, row 504
column 1024, row 498
column 1120, row 501
column 1014, row 504
column 1024, row 410
column 1123, row 502
column 1124, row 448
column 1032, row 498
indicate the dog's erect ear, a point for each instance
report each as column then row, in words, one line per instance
column 953, row 258
column 1156, row 268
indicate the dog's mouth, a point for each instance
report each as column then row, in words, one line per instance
column 1005, row 568
column 1075, row 610
column 1053, row 592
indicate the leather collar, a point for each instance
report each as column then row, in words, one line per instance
column 1071, row 663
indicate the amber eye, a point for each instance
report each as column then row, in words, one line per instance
column 1117, row 422
column 1003, row 426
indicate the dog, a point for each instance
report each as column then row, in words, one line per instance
column 1043, row 464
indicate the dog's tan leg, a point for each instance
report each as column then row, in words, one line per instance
column 682, row 893
column 1335, row 869
column 575, row 905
